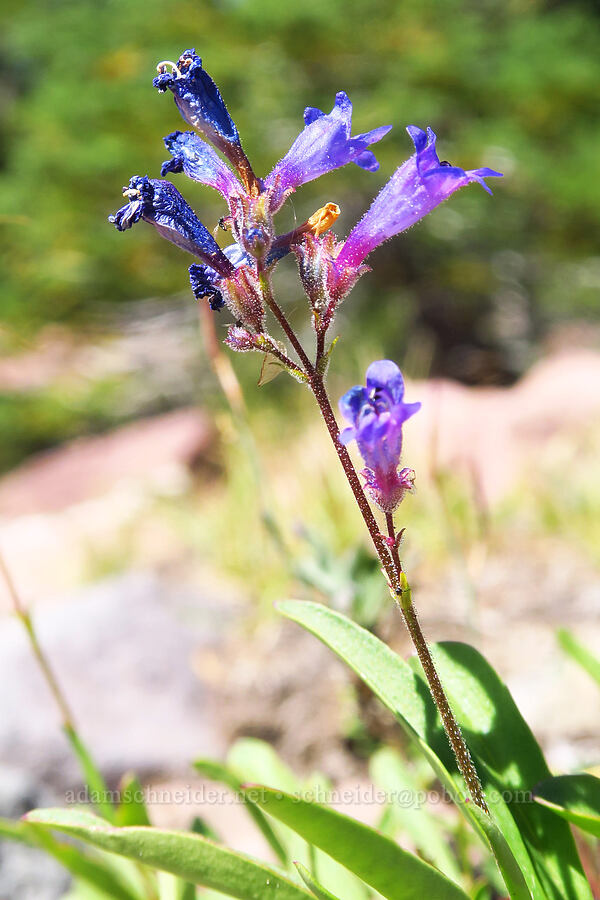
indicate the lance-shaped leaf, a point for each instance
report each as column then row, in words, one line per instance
column 381, row 863
column 318, row 890
column 392, row 680
column 412, row 818
column 510, row 763
column 216, row 771
column 189, row 856
column 574, row 797
column 92, row 871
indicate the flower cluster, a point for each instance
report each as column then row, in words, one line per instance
column 376, row 414
column 238, row 276
column 328, row 268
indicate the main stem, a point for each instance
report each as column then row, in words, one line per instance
column 387, row 552
column 451, row 726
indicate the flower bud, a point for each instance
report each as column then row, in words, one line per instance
column 243, row 296
column 252, row 225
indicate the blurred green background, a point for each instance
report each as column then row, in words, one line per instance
column 469, row 293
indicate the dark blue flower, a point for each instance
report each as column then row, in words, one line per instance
column 377, row 413
column 415, row 188
column 205, row 281
column 200, row 103
column 198, row 98
column 200, row 162
column 324, row 144
column 161, row 204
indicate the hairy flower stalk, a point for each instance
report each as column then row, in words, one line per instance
column 237, row 279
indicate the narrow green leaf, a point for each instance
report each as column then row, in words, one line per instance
column 256, row 761
column 204, row 829
column 132, row 810
column 510, row 763
column 392, row 680
column 216, row 771
column 409, row 813
column 578, row 652
column 91, row 871
column 83, row 866
column 574, row 797
column 189, row 856
column 386, row 867
column 99, row 793
column 17, row 831
column 318, row 890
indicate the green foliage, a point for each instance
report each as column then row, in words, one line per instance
column 513, row 85
column 390, row 773
column 395, row 873
column 536, row 855
column 510, row 763
column 579, row 653
column 218, row 772
column 318, row 890
column 575, row 798
column 92, row 871
column 189, row 856
column 251, row 760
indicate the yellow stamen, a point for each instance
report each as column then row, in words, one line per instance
column 161, row 66
column 131, row 193
column 322, row 219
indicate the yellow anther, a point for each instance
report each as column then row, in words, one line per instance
column 322, row 219
column 161, row 66
column 131, row 193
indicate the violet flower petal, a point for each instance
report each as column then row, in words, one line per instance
column 323, row 145
column 376, row 414
column 414, row 190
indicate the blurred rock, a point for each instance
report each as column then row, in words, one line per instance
column 26, row 874
column 156, row 450
column 122, row 651
column 493, row 434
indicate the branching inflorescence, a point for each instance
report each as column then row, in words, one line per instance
column 239, row 278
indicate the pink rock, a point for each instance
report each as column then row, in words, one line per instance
column 495, row 433
column 91, row 466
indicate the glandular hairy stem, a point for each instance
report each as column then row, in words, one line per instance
column 388, row 553
column 451, row 727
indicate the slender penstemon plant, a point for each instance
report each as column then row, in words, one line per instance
column 240, row 279
column 530, row 841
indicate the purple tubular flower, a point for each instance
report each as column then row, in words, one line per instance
column 323, row 145
column 376, row 414
column 161, row 204
column 200, row 162
column 198, row 99
column 414, row 190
